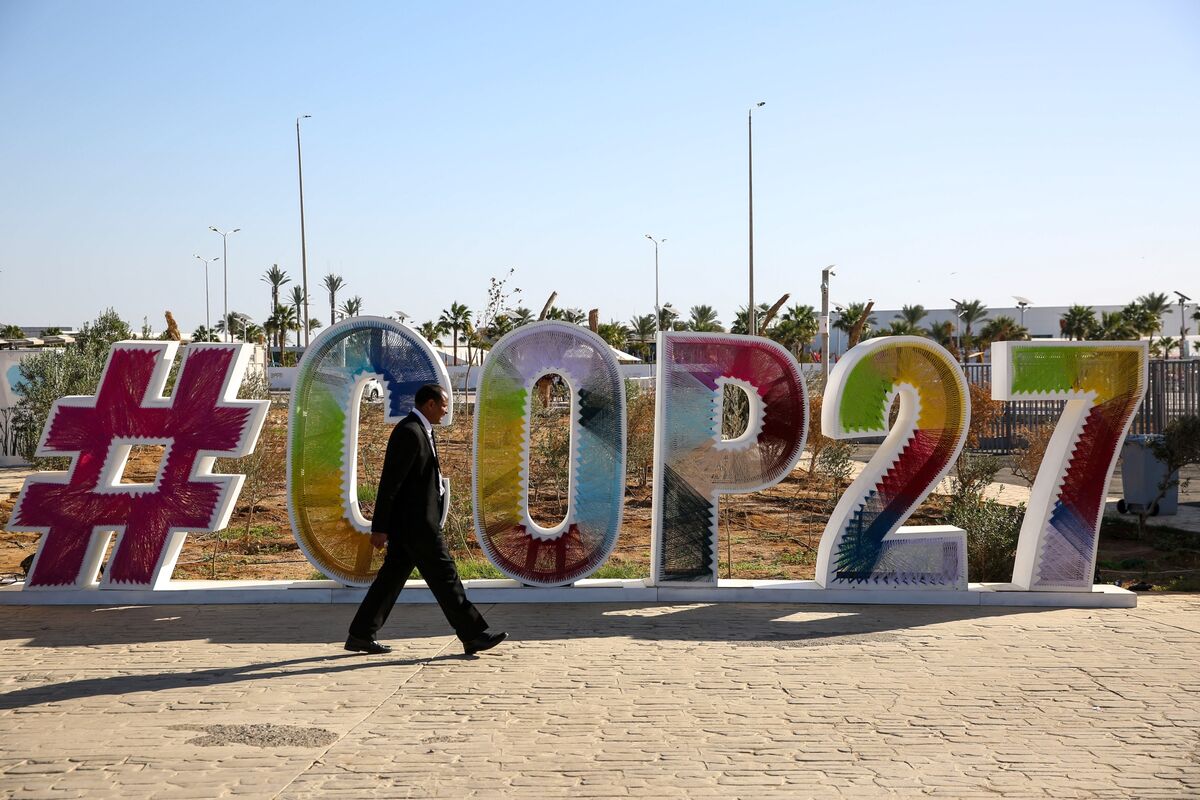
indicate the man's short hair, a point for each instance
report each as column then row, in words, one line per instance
column 430, row 391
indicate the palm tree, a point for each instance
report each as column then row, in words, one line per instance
column 203, row 334
column 332, row 284
column 277, row 278
column 901, row 327
column 667, row 316
column 351, row 307
column 271, row 329
column 252, row 332
column 855, row 315
column 1141, row 319
column 1156, row 304
column 455, row 318
column 641, row 334
column 501, row 325
column 432, row 332
column 1163, row 347
column 475, row 342
column 1114, row 325
column 284, row 320
column 575, row 316
column 796, row 328
column 970, row 312
column 941, row 332
column 521, row 316
column 613, row 333
column 704, row 320
column 233, row 324
column 298, row 304
column 912, row 315
column 741, row 322
column 1078, row 322
column 1002, row 329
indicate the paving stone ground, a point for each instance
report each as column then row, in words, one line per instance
column 689, row 701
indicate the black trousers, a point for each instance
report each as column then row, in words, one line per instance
column 430, row 555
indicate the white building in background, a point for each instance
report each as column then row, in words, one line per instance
column 1041, row 321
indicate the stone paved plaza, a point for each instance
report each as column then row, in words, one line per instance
column 587, row 700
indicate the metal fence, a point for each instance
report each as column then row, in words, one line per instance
column 1173, row 391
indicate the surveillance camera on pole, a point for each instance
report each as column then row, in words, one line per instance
column 824, row 323
column 1183, row 342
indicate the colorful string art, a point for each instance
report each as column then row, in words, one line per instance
column 1103, row 384
column 323, row 435
column 581, row 542
column 79, row 510
column 693, row 465
column 863, row 545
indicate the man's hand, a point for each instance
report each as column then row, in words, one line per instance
column 378, row 540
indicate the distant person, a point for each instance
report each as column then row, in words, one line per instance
column 408, row 519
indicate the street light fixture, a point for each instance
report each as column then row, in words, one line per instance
column 825, row 273
column 303, row 249
column 207, row 317
column 225, row 269
column 751, row 316
column 1022, row 303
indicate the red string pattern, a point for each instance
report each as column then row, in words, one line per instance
column 201, row 420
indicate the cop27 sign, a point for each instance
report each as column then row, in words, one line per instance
column 866, row 545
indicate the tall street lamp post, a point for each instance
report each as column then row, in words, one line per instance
column 303, row 250
column 657, row 308
column 225, row 270
column 207, row 317
column 825, row 273
column 751, row 316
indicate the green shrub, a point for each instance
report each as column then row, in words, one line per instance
column 53, row 374
column 992, row 533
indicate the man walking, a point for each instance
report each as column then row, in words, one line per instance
column 408, row 519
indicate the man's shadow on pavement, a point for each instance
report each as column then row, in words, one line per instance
column 84, row 626
column 116, row 685
column 766, row 624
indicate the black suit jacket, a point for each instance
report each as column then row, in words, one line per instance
column 408, row 501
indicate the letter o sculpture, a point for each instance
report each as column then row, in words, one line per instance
column 323, row 435
column 518, row 546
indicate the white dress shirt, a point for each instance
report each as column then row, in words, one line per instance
column 429, row 433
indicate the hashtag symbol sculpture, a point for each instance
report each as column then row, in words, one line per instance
column 78, row 511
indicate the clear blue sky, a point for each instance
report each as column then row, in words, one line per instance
column 930, row 149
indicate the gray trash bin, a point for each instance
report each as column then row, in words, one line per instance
column 1141, row 473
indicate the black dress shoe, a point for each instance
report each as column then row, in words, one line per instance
column 484, row 641
column 357, row 645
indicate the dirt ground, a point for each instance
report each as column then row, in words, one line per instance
column 769, row 534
